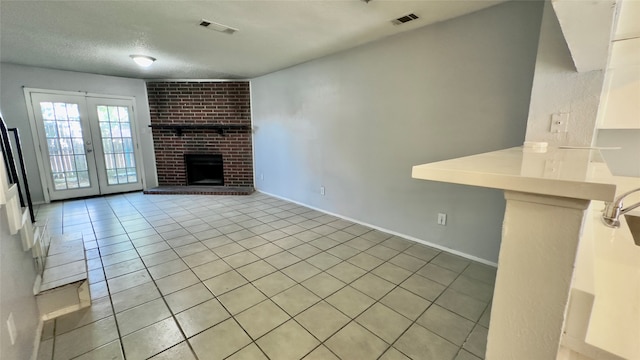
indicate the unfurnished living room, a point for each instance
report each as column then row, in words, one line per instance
column 311, row 179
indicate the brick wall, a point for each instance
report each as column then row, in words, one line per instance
column 201, row 103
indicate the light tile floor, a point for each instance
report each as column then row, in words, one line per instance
column 254, row 277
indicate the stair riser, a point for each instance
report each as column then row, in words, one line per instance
column 63, row 300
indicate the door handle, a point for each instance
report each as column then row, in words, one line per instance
column 89, row 151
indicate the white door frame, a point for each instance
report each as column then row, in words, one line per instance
column 36, row 141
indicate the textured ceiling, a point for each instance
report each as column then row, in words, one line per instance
column 98, row 36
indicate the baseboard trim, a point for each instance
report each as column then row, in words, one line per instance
column 408, row 237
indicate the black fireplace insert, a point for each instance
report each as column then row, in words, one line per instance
column 204, row 169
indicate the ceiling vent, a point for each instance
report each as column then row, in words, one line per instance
column 217, row 27
column 404, row 19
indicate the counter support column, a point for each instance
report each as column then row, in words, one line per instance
column 540, row 239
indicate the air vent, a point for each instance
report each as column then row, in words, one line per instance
column 404, row 19
column 217, row 27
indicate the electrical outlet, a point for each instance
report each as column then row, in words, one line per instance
column 261, row 176
column 322, row 190
column 11, row 325
column 559, row 123
column 442, row 219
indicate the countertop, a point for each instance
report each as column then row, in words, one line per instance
column 608, row 260
column 573, row 173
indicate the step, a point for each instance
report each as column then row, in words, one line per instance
column 40, row 248
column 64, row 285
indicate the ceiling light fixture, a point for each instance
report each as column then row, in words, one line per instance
column 143, row 60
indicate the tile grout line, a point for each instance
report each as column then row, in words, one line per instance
column 414, row 322
column 234, row 269
column 377, row 301
column 115, row 319
column 321, row 342
column 108, row 290
column 322, row 271
column 300, row 260
column 227, row 310
column 162, row 296
column 267, row 298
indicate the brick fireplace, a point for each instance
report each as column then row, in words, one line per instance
column 201, row 118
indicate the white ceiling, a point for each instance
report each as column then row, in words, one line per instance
column 98, row 36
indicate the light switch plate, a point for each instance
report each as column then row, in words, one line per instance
column 559, row 123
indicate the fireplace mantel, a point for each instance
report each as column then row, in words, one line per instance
column 219, row 128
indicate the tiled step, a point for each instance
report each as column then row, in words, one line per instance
column 64, row 286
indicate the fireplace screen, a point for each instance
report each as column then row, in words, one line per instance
column 204, row 169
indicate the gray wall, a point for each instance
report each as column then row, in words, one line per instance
column 357, row 121
column 14, row 109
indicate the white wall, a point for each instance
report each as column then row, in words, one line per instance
column 558, row 88
column 620, row 104
column 619, row 119
column 355, row 122
column 14, row 109
column 626, row 160
column 17, row 275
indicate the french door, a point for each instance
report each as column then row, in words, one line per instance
column 87, row 144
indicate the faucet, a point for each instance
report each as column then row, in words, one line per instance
column 613, row 210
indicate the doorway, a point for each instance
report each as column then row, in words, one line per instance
column 87, row 144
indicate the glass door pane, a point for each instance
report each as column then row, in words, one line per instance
column 66, row 144
column 114, row 130
column 117, row 141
